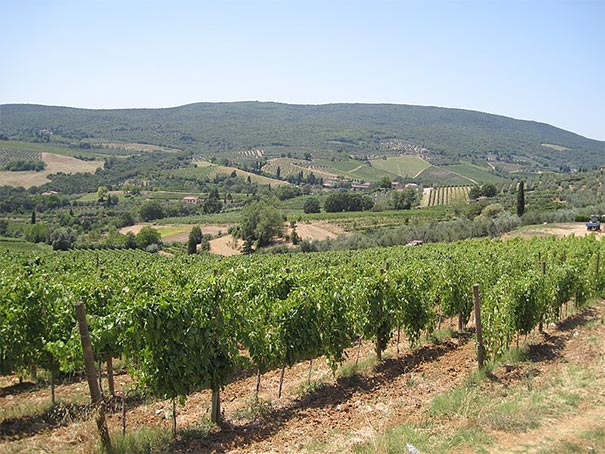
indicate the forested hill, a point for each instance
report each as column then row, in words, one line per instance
column 363, row 129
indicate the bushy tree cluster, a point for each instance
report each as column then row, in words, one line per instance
column 312, row 205
column 261, row 222
column 347, row 201
column 25, row 165
column 485, row 190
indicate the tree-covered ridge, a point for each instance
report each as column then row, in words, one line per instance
column 363, row 129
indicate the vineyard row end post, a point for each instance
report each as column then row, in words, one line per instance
column 91, row 376
column 479, row 331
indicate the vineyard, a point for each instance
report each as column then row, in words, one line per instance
column 445, row 195
column 262, row 313
column 9, row 155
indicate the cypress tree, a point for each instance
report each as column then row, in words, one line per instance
column 33, row 221
column 520, row 200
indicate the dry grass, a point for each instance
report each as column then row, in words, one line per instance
column 54, row 163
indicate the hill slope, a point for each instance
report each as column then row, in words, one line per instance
column 442, row 134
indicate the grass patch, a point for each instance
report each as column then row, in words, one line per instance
column 590, row 441
column 142, row 441
column 352, row 368
column 515, row 356
column 308, row 388
column 197, row 432
column 426, row 437
column 24, row 409
column 254, row 408
column 19, row 245
column 440, row 335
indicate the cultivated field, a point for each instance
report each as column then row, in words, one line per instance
column 225, row 244
column 444, row 195
column 475, row 173
column 54, row 163
column 132, row 147
column 207, row 169
column 402, row 166
column 290, row 166
column 439, row 175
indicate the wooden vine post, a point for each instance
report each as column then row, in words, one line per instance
column 123, row 414
column 541, row 324
column 597, row 270
column 281, row 381
column 173, row 417
column 215, row 411
column 310, row 369
column 477, row 304
column 110, row 382
column 257, row 384
column 91, row 377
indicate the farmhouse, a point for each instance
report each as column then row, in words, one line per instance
column 360, row 187
column 192, row 199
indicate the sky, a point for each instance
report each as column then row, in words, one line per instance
column 533, row 60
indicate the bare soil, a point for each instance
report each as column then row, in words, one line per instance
column 207, row 229
column 226, row 246
column 317, row 230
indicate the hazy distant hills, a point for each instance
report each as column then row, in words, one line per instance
column 442, row 134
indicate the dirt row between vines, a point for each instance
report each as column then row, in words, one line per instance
column 334, row 414
column 303, row 414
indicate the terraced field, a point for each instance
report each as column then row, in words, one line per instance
column 8, row 155
column 291, row 166
column 402, row 166
column 355, row 169
column 445, row 195
column 474, row 173
column 207, row 169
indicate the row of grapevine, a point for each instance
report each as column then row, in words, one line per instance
column 188, row 323
column 446, row 195
column 8, row 155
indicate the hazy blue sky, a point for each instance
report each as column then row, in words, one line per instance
column 536, row 60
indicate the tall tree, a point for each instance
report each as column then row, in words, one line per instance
column 33, row 220
column 102, row 192
column 195, row 238
column 521, row 199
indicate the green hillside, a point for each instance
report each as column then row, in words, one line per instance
column 401, row 166
column 444, row 136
